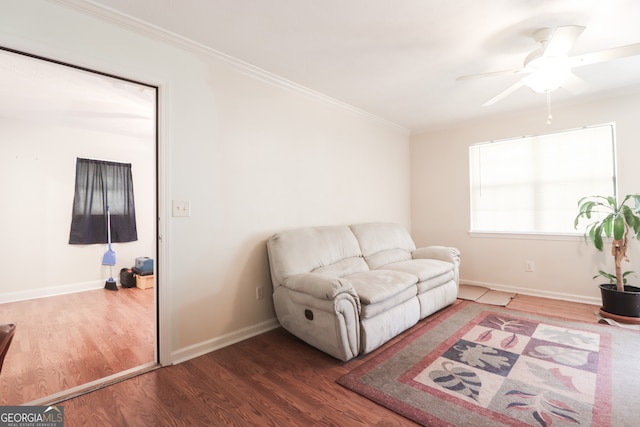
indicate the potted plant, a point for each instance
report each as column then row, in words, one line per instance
column 619, row 222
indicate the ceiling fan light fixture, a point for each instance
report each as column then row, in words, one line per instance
column 547, row 73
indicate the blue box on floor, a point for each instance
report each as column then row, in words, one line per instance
column 144, row 264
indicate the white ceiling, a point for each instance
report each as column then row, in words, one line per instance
column 42, row 92
column 399, row 59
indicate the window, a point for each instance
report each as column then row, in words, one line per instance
column 533, row 184
column 100, row 184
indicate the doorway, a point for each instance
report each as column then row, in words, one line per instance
column 71, row 327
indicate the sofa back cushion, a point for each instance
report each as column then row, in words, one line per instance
column 331, row 250
column 383, row 243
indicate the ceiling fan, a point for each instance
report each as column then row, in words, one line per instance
column 549, row 66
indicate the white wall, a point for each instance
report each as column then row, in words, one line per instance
column 564, row 267
column 253, row 158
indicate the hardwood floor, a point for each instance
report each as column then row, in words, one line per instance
column 65, row 341
column 272, row 379
column 557, row 308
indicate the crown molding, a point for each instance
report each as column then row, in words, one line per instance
column 141, row 27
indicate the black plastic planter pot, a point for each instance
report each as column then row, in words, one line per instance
column 625, row 303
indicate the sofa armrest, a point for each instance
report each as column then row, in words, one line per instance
column 442, row 253
column 321, row 310
column 320, row 286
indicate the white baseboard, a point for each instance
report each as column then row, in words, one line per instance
column 535, row 292
column 195, row 350
column 50, row 292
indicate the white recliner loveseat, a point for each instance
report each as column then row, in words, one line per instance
column 347, row 290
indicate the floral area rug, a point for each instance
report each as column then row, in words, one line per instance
column 476, row 365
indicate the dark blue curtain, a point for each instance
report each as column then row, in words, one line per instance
column 100, row 184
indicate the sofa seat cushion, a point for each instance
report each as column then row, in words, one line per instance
column 436, row 281
column 430, row 272
column 379, row 285
column 380, row 290
column 367, row 311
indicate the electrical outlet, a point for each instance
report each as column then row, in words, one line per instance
column 528, row 266
column 259, row 292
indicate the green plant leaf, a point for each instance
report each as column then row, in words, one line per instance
column 629, row 217
column 596, row 237
column 618, row 228
column 612, row 277
column 608, row 276
column 624, row 201
column 587, row 211
column 626, row 212
column 587, row 208
column 581, row 201
column 607, row 225
column 632, row 216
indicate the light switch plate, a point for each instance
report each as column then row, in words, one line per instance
column 181, row 208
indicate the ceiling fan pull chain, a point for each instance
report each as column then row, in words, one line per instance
column 549, row 116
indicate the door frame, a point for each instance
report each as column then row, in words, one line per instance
column 163, row 210
column 162, row 350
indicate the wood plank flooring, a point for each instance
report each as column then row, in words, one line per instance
column 69, row 340
column 272, row 379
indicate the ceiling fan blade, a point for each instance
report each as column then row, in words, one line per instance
column 504, row 93
column 561, row 40
column 605, row 55
column 574, row 84
column 492, row 74
column 556, row 42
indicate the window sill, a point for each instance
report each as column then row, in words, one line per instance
column 571, row 237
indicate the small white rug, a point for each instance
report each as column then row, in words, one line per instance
column 485, row 295
column 471, row 293
column 612, row 322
